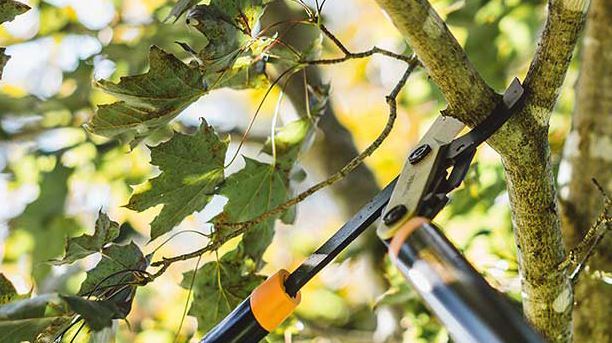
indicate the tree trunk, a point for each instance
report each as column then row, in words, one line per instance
column 588, row 154
column 522, row 142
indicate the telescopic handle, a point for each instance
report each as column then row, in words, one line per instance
column 266, row 308
column 457, row 294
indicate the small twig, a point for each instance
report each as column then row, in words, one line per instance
column 177, row 234
column 74, row 321
column 334, row 39
column 236, row 229
column 232, row 230
column 391, row 101
column 77, row 332
column 348, row 55
column 144, row 275
column 578, row 256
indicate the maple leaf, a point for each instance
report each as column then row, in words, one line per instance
column 192, row 168
column 213, row 300
column 148, row 101
column 253, row 190
column 79, row 247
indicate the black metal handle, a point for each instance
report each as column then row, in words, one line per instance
column 239, row 326
column 469, row 308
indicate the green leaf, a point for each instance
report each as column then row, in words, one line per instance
column 23, row 329
column 260, row 187
column 148, row 101
column 180, row 8
column 9, row 9
column 114, row 280
column 289, row 141
column 244, row 13
column 115, row 268
column 227, row 25
column 98, row 314
column 211, row 303
column 240, row 76
column 192, row 168
column 34, row 319
column 79, row 247
column 27, row 308
column 7, row 290
column 289, row 137
column 253, row 190
column 224, row 39
column 53, row 329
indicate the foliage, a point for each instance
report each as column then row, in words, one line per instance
column 257, row 188
column 149, row 101
column 77, row 248
column 25, row 320
column 8, row 293
column 219, row 287
column 187, row 181
column 192, row 171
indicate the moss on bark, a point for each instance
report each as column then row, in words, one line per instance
column 522, row 142
column 588, row 154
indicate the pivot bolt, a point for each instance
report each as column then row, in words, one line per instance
column 395, row 214
column 419, row 153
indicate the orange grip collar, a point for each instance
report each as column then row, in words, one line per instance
column 403, row 233
column 270, row 304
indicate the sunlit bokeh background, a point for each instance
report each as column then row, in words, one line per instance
column 60, row 47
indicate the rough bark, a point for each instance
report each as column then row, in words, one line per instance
column 588, row 154
column 522, row 142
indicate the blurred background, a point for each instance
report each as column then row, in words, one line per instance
column 55, row 176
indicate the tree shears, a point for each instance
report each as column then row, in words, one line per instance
column 456, row 293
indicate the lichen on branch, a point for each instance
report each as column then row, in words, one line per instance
column 522, row 142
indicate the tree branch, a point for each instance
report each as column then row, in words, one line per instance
column 469, row 97
column 588, row 154
column 226, row 231
column 335, row 147
column 579, row 256
column 522, row 142
column 391, row 100
column 553, row 55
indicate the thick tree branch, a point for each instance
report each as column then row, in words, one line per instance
column 548, row 295
column 522, row 142
column 588, row 154
column 469, row 97
column 553, row 55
